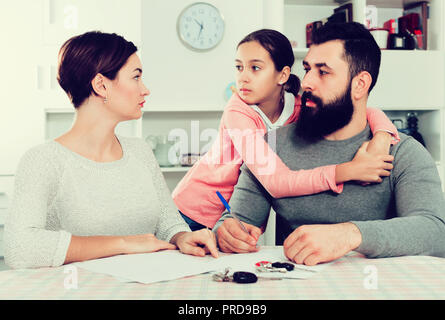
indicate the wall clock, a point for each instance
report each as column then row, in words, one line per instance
column 200, row 26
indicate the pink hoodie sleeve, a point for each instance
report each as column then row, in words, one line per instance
column 266, row 165
column 272, row 172
column 378, row 121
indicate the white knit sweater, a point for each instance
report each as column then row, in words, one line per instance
column 59, row 193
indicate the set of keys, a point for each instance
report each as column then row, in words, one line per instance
column 238, row 277
column 249, row 277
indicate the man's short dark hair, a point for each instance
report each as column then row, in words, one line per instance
column 361, row 51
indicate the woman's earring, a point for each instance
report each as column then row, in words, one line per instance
column 105, row 100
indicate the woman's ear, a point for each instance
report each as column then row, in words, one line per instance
column 284, row 75
column 99, row 86
column 360, row 85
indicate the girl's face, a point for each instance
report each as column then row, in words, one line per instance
column 126, row 97
column 257, row 80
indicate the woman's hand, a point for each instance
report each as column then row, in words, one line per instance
column 197, row 243
column 365, row 167
column 144, row 243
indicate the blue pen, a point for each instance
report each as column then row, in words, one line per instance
column 232, row 213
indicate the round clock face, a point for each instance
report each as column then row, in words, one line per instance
column 200, row 26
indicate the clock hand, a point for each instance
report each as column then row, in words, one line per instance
column 199, row 24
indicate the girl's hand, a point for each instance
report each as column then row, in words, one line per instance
column 368, row 167
column 380, row 143
column 197, row 243
column 365, row 167
column 145, row 243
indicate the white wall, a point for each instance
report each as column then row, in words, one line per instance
column 17, row 79
column 177, row 76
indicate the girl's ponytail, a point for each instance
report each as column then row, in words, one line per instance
column 293, row 84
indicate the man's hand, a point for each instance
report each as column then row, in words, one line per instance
column 197, row 243
column 313, row 244
column 232, row 238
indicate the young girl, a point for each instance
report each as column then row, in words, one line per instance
column 267, row 98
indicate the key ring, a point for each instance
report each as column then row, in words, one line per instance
column 238, row 277
column 267, row 266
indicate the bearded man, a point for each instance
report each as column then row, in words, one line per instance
column 402, row 215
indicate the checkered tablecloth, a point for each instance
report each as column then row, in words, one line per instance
column 351, row 277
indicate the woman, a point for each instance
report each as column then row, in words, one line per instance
column 89, row 193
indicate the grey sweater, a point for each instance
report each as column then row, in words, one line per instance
column 403, row 215
column 59, row 193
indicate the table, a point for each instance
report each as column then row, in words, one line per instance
column 351, row 277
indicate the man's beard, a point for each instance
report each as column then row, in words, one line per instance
column 314, row 123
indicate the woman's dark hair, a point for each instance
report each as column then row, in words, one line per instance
column 280, row 50
column 83, row 57
column 362, row 52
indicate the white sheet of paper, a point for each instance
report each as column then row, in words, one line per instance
column 150, row 267
column 172, row 264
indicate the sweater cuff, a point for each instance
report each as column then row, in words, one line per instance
column 337, row 188
column 395, row 136
column 370, row 239
column 175, row 230
column 62, row 248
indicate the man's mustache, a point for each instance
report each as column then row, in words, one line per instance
column 307, row 95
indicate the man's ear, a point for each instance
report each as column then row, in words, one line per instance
column 360, row 85
column 284, row 75
column 99, row 86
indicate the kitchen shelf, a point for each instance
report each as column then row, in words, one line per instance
column 183, row 109
column 60, row 110
column 175, row 169
column 311, row 2
column 410, row 109
column 378, row 3
column 300, row 53
column 149, row 109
